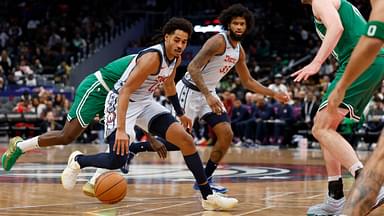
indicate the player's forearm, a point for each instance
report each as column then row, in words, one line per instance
column 329, row 43
column 368, row 184
column 198, row 79
column 122, row 107
column 362, row 57
column 256, row 87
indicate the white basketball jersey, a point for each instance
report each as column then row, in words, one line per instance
column 145, row 91
column 219, row 65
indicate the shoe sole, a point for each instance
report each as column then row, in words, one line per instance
column 89, row 193
column 4, row 156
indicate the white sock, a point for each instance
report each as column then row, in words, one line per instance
column 334, row 178
column 354, row 167
column 98, row 172
column 29, row 144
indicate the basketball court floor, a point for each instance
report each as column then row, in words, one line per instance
column 266, row 181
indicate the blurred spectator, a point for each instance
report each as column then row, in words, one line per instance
column 278, row 86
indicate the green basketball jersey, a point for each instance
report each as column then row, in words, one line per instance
column 354, row 26
column 114, row 70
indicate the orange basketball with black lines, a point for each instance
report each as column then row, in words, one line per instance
column 110, row 188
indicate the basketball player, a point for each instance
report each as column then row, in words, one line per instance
column 217, row 57
column 340, row 25
column 365, row 190
column 89, row 102
column 131, row 102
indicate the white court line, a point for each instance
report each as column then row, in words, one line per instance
column 256, row 210
column 155, row 209
column 279, row 195
column 314, row 196
column 49, row 205
column 100, row 211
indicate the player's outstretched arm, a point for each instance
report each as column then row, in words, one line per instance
column 326, row 12
column 253, row 85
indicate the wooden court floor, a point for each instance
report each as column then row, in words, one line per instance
column 266, row 181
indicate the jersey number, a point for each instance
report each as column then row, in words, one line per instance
column 225, row 69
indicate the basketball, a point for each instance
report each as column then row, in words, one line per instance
column 110, row 188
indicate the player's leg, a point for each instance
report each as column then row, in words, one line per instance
column 89, row 101
column 176, row 134
column 367, row 186
column 222, row 128
column 77, row 161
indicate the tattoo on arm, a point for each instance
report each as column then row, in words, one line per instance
column 364, row 193
column 210, row 48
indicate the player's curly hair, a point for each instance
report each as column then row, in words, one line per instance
column 236, row 10
column 176, row 23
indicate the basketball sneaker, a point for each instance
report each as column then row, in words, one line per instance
column 329, row 207
column 215, row 187
column 217, row 201
column 125, row 169
column 89, row 189
column 13, row 152
column 70, row 173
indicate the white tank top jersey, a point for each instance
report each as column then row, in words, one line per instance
column 145, row 91
column 219, row 65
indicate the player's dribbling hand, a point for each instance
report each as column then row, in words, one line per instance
column 282, row 97
column 186, row 122
column 121, row 143
column 306, row 72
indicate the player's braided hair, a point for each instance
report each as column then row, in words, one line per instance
column 236, row 10
column 176, row 23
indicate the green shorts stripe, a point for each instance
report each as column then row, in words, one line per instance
column 361, row 90
column 89, row 101
column 83, row 101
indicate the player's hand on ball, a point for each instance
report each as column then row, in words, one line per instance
column 121, row 143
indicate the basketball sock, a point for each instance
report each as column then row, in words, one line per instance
column 102, row 160
column 335, row 189
column 29, row 144
column 356, row 166
column 210, row 168
column 99, row 171
column 195, row 165
column 137, row 147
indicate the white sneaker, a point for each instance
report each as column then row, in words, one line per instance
column 217, row 201
column 70, row 173
column 329, row 207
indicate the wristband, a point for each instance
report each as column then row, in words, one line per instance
column 176, row 105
